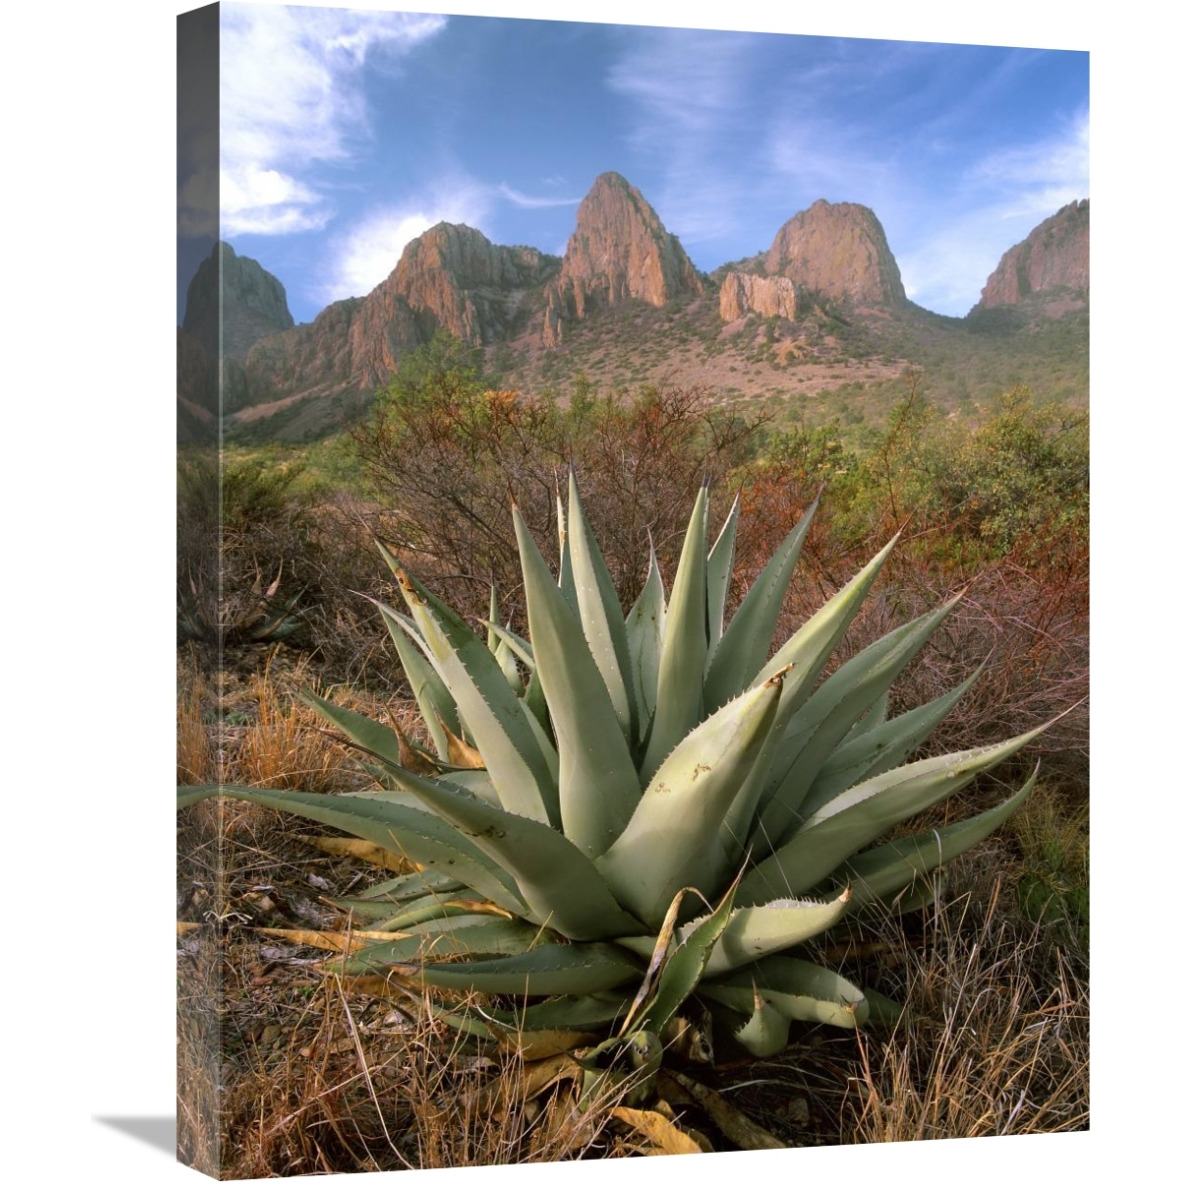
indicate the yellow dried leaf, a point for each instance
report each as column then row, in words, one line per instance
column 541, row 1044
column 536, row 1077
column 366, row 851
column 459, row 753
column 332, row 941
column 661, row 1132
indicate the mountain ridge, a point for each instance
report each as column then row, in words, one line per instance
column 828, row 266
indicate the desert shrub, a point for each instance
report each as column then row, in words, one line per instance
column 998, row 512
column 441, row 451
column 242, row 527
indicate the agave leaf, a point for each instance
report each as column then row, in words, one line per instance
column 408, row 886
column 463, row 906
column 566, row 575
column 679, row 705
column 601, row 614
column 808, row 992
column 583, row 1012
column 821, row 722
column 738, row 656
column 887, row 869
column 521, row 648
column 877, row 714
column 597, row 786
column 499, row 649
column 472, row 935
column 879, row 748
column 851, row 821
column 683, row 969
column 756, row 932
column 765, row 1033
column 645, row 626
column 434, row 699
column 672, row 838
column 805, row 653
column 573, row 969
column 492, row 713
column 559, row 883
column 474, row 780
column 884, row 1011
column 720, row 564
column 371, row 736
column 402, row 827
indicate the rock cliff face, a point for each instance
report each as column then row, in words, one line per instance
column 840, row 253
column 619, row 250
column 233, row 294
column 450, row 278
column 741, row 294
column 308, row 359
column 253, row 303
column 1053, row 260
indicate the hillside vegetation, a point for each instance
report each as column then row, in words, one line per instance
column 985, row 478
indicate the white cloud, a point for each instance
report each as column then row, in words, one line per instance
column 1040, row 176
column 1004, row 197
column 291, row 97
column 370, row 251
column 524, row 201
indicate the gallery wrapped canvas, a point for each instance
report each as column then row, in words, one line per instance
column 632, row 619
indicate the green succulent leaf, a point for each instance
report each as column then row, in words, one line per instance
column 739, row 654
column 404, row 828
column 559, row 883
column 454, row 936
column 820, row 724
column 681, row 673
column 435, row 702
column 597, row 785
column 683, row 969
column 861, row 814
column 720, row 563
column 573, row 969
column 367, row 734
column 601, row 615
column 645, row 627
column 880, row 747
column 889, row 869
column 796, row 988
column 765, row 1033
column 492, row 713
column 673, row 839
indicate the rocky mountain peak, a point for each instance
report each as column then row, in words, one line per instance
column 838, row 252
column 619, row 250
column 1049, row 266
column 252, row 302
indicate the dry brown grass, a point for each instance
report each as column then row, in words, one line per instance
column 994, row 1040
column 195, row 752
column 281, row 1072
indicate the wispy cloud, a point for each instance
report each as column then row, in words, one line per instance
column 690, row 96
column 524, row 201
column 1033, row 177
column 291, row 98
column 1003, row 197
column 367, row 254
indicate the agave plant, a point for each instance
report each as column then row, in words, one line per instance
column 624, row 810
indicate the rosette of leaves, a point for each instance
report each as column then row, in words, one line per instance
column 628, row 809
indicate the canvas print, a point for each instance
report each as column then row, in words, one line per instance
column 632, row 591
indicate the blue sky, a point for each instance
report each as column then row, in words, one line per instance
column 345, row 133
